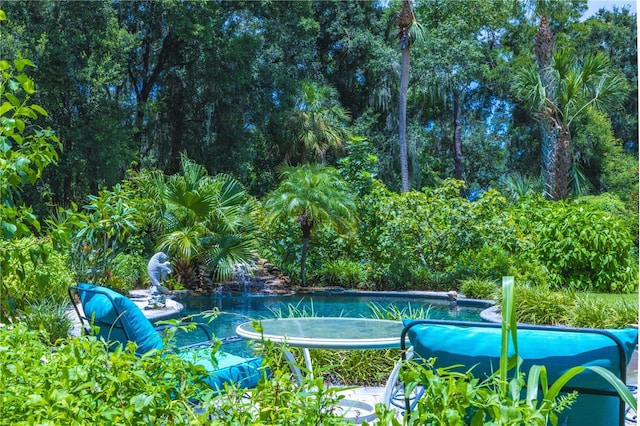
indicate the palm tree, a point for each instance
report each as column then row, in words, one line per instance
column 204, row 222
column 311, row 195
column 318, row 123
column 405, row 20
column 564, row 90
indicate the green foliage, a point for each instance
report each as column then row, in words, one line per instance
column 25, row 150
column 542, row 305
column 80, row 382
column 202, row 221
column 591, row 312
column 583, row 246
column 360, row 166
column 49, row 315
column 108, row 220
column 434, row 238
column 317, row 124
column 311, row 197
column 343, row 273
column 35, row 272
column 479, row 288
column 129, row 271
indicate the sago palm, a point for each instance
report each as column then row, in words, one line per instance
column 311, row 195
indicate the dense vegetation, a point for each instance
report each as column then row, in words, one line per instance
column 165, row 126
column 243, row 87
column 225, row 132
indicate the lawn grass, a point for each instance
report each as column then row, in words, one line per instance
column 629, row 298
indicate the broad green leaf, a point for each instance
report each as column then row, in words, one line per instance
column 12, row 98
column 20, row 63
column 26, row 112
column 8, row 229
column 5, row 107
column 39, row 110
column 5, row 145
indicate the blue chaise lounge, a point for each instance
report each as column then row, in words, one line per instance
column 119, row 320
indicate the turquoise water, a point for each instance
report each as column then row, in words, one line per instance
column 238, row 309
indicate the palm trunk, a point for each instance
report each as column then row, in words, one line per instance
column 550, row 128
column 457, row 138
column 404, row 87
column 306, row 236
column 563, row 161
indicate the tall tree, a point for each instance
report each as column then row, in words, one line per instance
column 456, row 64
column 318, row 123
column 557, row 96
column 312, row 196
column 404, row 20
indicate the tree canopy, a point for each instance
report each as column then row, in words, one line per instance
column 243, row 87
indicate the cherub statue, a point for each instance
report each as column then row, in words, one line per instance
column 158, row 269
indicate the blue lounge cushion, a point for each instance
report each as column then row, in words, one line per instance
column 244, row 372
column 98, row 307
column 557, row 350
column 126, row 315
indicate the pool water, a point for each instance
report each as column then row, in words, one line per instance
column 234, row 310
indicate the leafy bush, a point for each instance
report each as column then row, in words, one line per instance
column 435, row 238
column 591, row 312
column 582, row 245
column 48, row 315
column 36, row 271
column 81, row 383
column 26, row 149
column 342, row 273
column 128, row 271
column 479, row 288
column 489, row 261
column 542, row 305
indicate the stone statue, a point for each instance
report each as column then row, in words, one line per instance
column 158, row 270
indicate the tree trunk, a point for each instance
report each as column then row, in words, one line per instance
column 306, row 236
column 457, row 138
column 563, row 161
column 548, row 117
column 404, row 87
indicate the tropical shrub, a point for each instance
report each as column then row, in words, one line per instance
column 436, row 235
column 129, row 271
column 309, row 198
column 49, row 315
column 479, row 288
column 36, row 271
column 26, row 149
column 206, row 224
column 343, row 273
column 489, row 261
column 108, row 220
column 80, row 382
column 583, row 246
column 542, row 305
column 588, row 311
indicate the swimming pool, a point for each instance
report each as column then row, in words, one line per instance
column 238, row 309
